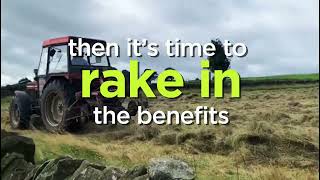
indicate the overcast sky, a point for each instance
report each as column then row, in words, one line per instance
column 282, row 36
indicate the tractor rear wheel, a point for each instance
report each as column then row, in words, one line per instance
column 55, row 100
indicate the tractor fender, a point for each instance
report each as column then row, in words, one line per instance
column 52, row 78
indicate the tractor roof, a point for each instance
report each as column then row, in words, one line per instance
column 65, row 40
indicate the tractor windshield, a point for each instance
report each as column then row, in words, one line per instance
column 99, row 61
column 90, row 60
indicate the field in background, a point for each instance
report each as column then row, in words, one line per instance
column 268, row 80
column 302, row 77
column 273, row 134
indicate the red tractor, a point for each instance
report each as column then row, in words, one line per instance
column 55, row 93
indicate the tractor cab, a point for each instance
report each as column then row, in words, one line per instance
column 55, row 57
column 55, row 94
column 56, row 61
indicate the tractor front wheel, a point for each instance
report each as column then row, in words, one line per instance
column 20, row 110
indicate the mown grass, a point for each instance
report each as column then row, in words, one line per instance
column 5, row 103
column 273, row 134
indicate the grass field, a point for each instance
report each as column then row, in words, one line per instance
column 273, row 134
column 288, row 77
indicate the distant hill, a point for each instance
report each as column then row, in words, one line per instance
column 281, row 79
column 268, row 80
column 288, row 77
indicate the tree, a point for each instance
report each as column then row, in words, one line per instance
column 24, row 81
column 219, row 61
column 169, row 78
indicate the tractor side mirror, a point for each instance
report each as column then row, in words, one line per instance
column 52, row 52
column 35, row 71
